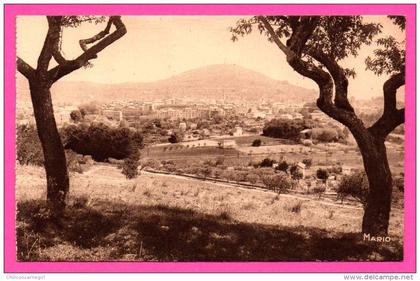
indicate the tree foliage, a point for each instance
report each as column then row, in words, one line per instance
column 267, row 162
column 279, row 182
column 314, row 47
column 28, row 146
column 102, row 141
column 355, row 185
column 285, row 128
column 256, row 143
column 322, row 174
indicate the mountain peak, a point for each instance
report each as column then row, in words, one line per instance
column 219, row 81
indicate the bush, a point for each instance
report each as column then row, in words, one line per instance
column 176, row 137
column 307, row 162
column 252, row 178
column 322, row 174
column 279, row 182
column 285, row 128
column 206, row 172
column 325, row 134
column 220, row 161
column 72, row 160
column 283, row 166
column 295, row 172
column 76, row 116
column 240, row 176
column 28, row 146
column 336, row 169
column 89, row 108
column 355, row 185
column 267, row 162
column 101, row 141
column 256, row 143
column 130, row 166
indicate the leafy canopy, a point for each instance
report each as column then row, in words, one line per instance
column 337, row 37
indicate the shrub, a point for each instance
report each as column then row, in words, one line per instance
column 285, row 128
column 256, row 142
column 229, row 175
column 101, row 141
column 322, row 174
column 73, row 164
column 240, row 176
column 336, row 169
column 355, row 185
column 28, row 146
column 279, row 182
column 176, row 137
column 206, row 171
column 76, row 116
column 295, row 172
column 129, row 168
column 307, row 162
column 89, row 108
column 283, row 166
column 319, row 190
column 267, row 162
column 252, row 178
column 220, row 161
column 325, row 134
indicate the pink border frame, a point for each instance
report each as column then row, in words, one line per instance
column 11, row 11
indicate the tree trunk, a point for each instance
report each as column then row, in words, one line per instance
column 54, row 156
column 378, row 207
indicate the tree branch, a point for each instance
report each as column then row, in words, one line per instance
column 24, row 68
column 390, row 92
column 274, row 36
column 339, row 77
column 302, row 29
column 53, row 36
column 63, row 69
column 321, row 77
column 83, row 42
column 391, row 117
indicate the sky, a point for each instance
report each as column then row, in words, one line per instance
column 157, row 47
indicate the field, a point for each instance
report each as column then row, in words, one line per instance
column 167, row 218
column 321, row 154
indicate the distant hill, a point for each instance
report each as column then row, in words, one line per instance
column 231, row 82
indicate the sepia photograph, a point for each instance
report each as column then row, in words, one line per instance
column 203, row 138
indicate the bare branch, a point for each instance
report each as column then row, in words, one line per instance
column 322, row 78
column 339, row 76
column 390, row 92
column 25, row 68
column 63, row 69
column 53, row 36
column 83, row 42
column 391, row 117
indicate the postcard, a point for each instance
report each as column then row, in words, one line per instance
column 210, row 138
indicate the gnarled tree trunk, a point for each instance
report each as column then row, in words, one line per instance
column 54, row 156
column 378, row 207
column 40, row 81
column 332, row 81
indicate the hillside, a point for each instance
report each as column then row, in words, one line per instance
column 231, row 82
column 166, row 218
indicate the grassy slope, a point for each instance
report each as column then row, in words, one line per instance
column 160, row 218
